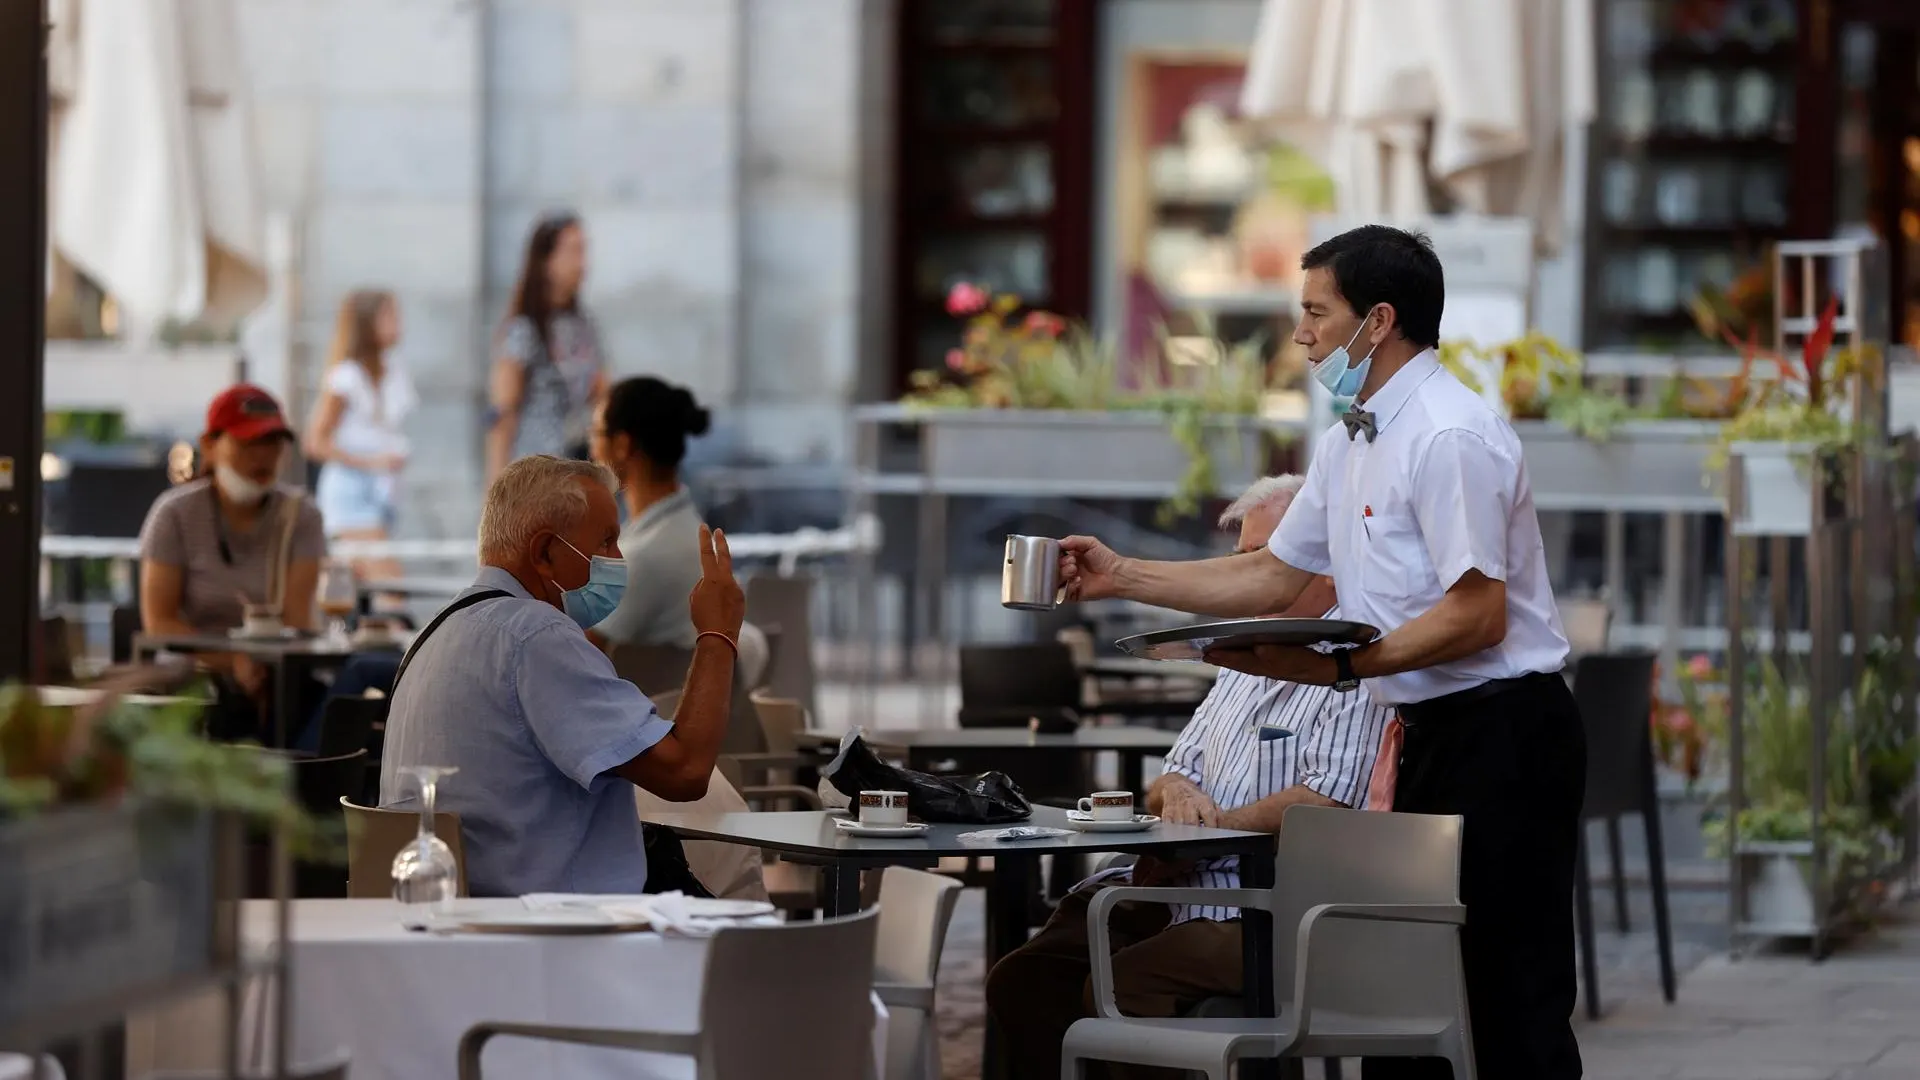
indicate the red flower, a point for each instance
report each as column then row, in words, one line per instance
column 1044, row 323
column 966, row 298
column 956, row 360
column 1814, row 353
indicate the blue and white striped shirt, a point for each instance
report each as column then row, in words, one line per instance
column 1335, row 739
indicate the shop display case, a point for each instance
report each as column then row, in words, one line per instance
column 993, row 162
column 1692, row 161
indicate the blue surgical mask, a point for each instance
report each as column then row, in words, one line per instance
column 590, row 604
column 1338, row 373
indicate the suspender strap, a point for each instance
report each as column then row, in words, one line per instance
column 458, row 605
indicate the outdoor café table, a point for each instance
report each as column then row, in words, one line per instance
column 397, row 1001
column 924, row 747
column 288, row 658
column 810, row 836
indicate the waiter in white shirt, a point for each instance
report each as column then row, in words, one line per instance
column 1418, row 504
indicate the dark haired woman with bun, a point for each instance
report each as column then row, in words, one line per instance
column 640, row 432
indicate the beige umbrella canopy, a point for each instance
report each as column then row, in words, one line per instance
column 1390, row 95
column 152, row 185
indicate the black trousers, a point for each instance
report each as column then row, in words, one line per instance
column 1513, row 763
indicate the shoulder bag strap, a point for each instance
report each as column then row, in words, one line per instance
column 421, row 639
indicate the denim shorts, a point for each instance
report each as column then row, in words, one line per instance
column 352, row 500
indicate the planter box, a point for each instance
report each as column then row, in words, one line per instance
column 1778, row 881
column 99, row 905
column 1084, row 454
column 1652, row 466
column 1776, row 480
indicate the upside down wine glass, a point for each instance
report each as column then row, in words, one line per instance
column 425, row 878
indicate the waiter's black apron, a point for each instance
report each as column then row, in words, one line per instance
column 1510, row 756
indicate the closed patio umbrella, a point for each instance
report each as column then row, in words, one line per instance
column 1359, row 84
column 152, row 188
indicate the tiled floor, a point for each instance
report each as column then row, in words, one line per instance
column 1771, row 1016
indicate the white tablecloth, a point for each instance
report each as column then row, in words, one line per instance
column 399, row 1000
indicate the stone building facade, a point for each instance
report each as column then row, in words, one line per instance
column 721, row 152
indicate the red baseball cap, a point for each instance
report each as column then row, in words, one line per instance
column 246, row 412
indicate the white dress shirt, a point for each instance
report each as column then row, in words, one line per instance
column 1441, row 490
column 1335, row 739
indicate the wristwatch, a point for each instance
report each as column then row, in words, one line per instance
column 1344, row 679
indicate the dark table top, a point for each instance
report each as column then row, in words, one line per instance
column 1105, row 737
column 259, row 648
column 812, row 835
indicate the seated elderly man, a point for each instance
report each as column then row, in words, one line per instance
column 548, row 741
column 1223, row 772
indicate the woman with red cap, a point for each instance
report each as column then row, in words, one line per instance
column 234, row 536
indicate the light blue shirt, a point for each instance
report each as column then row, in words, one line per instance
column 512, row 693
column 662, row 549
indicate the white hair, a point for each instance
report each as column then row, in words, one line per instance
column 535, row 493
column 1266, row 491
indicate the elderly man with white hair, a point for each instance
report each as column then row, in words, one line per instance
column 504, row 686
column 1254, row 747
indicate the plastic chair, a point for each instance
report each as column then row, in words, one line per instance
column 346, row 723
column 782, row 720
column 915, row 909
column 375, row 836
column 1011, row 685
column 787, row 602
column 790, row 1001
column 1367, row 919
column 1615, row 695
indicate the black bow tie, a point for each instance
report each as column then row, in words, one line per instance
column 1357, row 421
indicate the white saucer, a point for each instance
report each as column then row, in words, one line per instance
column 1083, row 821
column 854, row 828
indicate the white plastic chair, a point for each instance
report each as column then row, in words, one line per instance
column 915, row 910
column 1367, row 919
column 791, row 1001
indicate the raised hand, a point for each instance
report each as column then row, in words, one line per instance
column 717, row 603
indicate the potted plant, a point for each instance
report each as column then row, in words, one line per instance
column 1020, row 378
column 1789, row 430
column 1867, row 747
column 1585, row 447
column 117, row 824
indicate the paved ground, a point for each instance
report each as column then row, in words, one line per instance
column 1771, row 1016
column 1775, row 1016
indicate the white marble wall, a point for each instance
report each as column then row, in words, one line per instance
column 712, row 146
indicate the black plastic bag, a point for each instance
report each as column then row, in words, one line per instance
column 986, row 799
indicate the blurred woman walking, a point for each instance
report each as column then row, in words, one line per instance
column 548, row 372
column 357, row 425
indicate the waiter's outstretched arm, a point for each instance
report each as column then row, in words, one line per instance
column 1236, row 586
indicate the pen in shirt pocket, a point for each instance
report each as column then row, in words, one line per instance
column 1366, row 514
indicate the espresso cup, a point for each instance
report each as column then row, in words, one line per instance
column 1108, row 806
column 883, row 808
